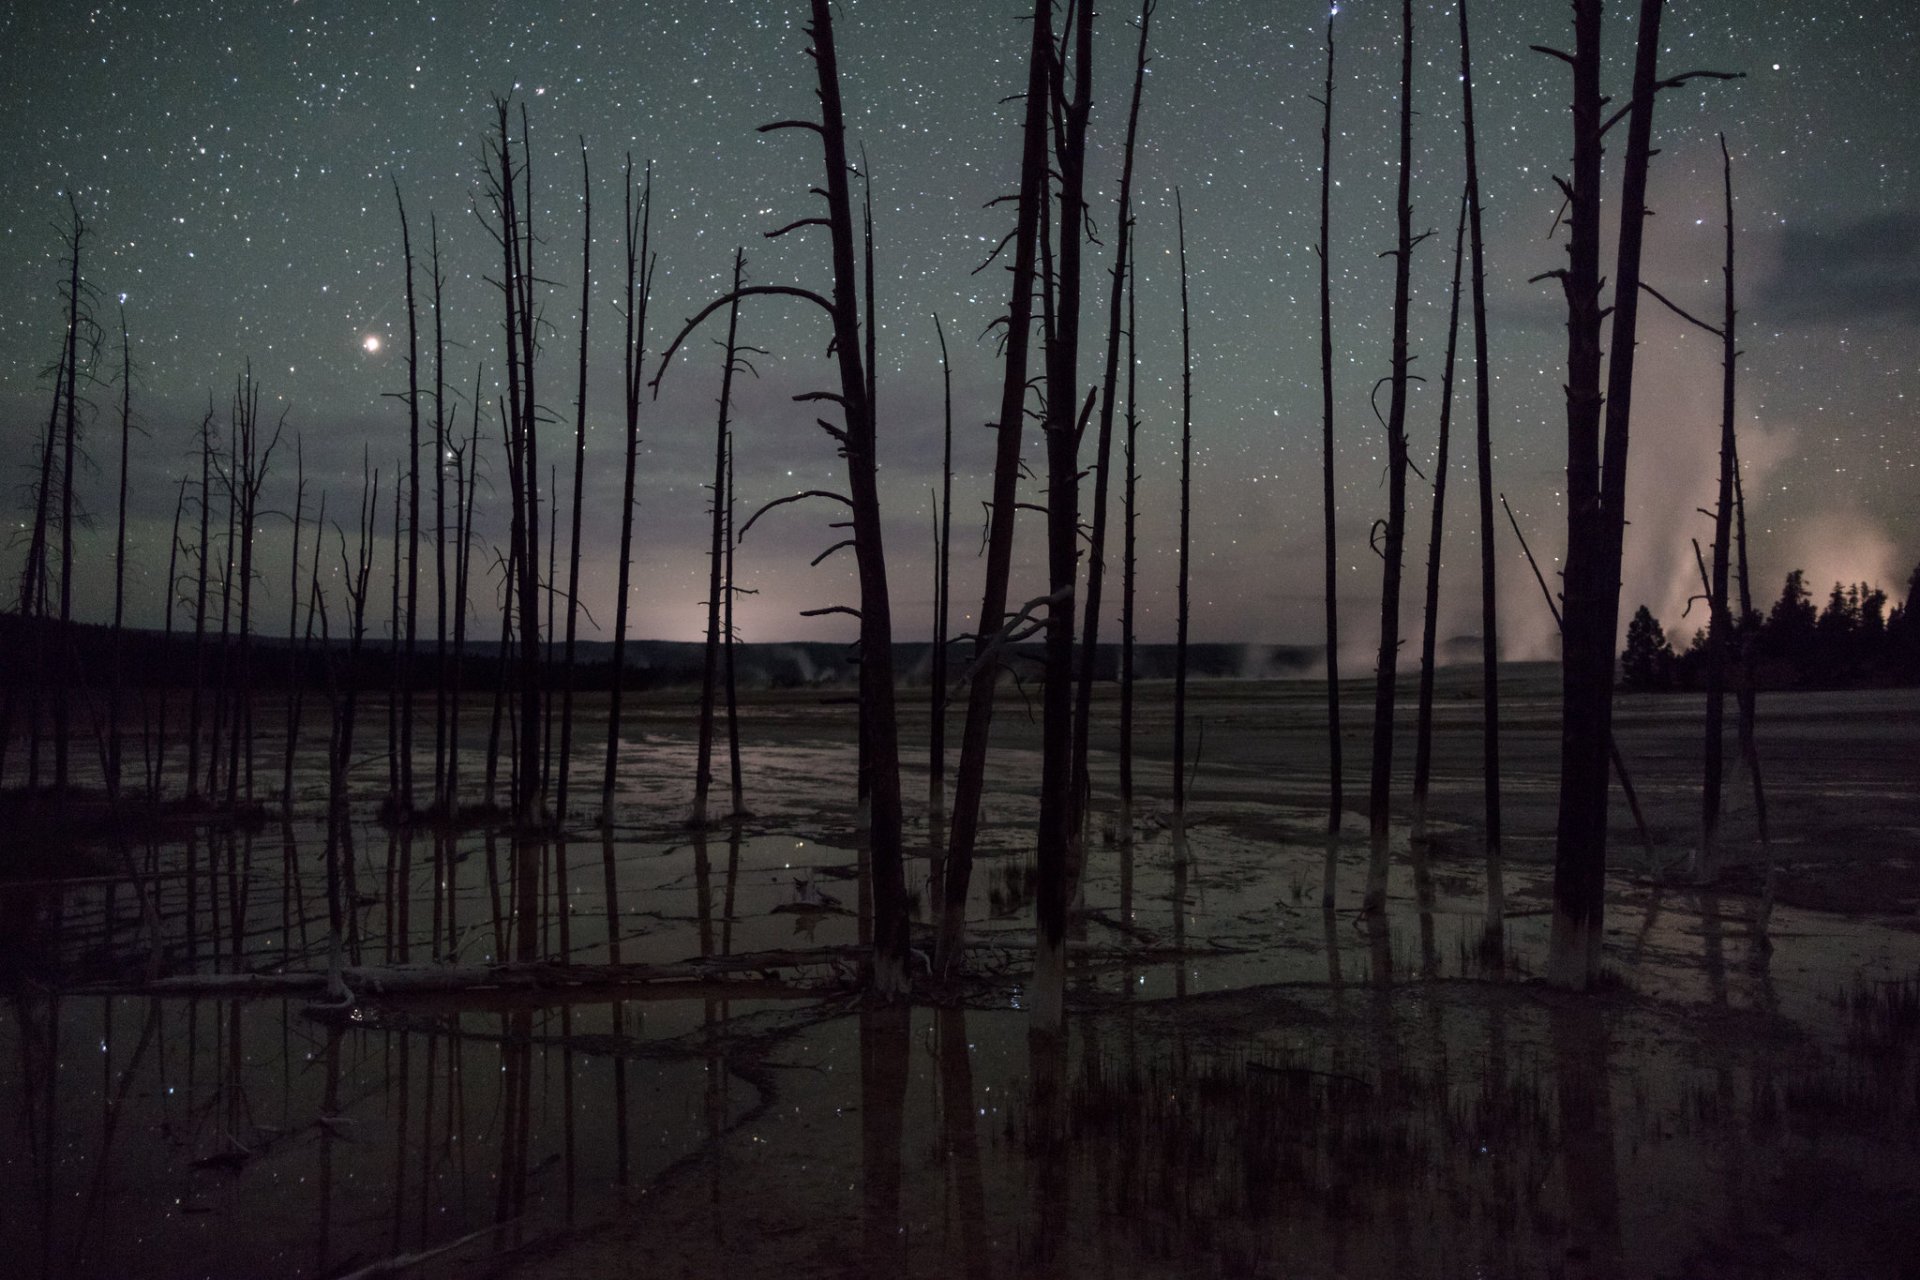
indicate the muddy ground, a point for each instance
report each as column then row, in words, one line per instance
column 1250, row 1086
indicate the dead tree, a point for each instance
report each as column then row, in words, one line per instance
column 465, row 462
column 296, row 653
column 403, row 798
column 984, row 674
column 1749, row 746
column 80, row 329
column 639, row 287
column 937, row 676
column 1720, row 626
column 1096, row 557
column 1335, row 801
column 1596, row 474
column 224, row 692
column 1181, row 606
column 440, row 455
column 1127, row 579
column 251, row 465
column 579, row 486
column 200, row 608
column 1392, row 530
column 710, row 660
column 514, row 235
column 33, row 588
column 157, row 780
column 856, row 440
column 1058, row 851
column 117, row 676
column 1429, row 628
column 727, row 637
column 1495, row 932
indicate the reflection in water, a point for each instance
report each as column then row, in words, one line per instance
column 885, row 1044
column 1585, row 1089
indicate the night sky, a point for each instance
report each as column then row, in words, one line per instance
column 234, row 164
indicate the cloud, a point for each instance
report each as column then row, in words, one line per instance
column 1864, row 269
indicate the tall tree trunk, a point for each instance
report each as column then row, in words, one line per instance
column 1057, row 852
column 33, row 587
column 1386, row 667
column 200, row 609
column 463, row 476
column 296, row 653
column 1335, row 801
column 877, row 719
column 1096, row 558
column 970, row 780
column 1127, row 577
column 1596, row 487
column 69, row 436
column 120, row 564
column 640, row 274
column 1495, row 932
column 158, row 780
column 1181, row 606
column 937, row 675
column 1429, row 629
column 1720, row 624
column 440, row 457
column 727, row 637
column 710, row 657
column 579, row 486
column 403, row 808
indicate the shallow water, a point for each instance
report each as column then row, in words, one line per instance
column 1248, row 1087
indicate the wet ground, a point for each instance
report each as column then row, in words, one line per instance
column 1249, row 1086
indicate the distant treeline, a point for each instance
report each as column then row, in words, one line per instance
column 1796, row 644
column 149, row 660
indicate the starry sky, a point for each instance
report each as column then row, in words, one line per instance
column 235, row 164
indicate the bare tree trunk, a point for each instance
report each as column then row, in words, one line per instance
column 296, row 653
column 877, row 718
column 1186, row 520
column 1127, row 567
column 521, row 427
column 1749, row 747
column 727, row 638
column 69, row 435
column 579, row 485
column 1429, row 630
column 1720, row 625
column 1335, row 801
column 970, row 779
column 1495, row 932
column 393, row 804
column 33, row 590
column 463, row 475
column 403, row 795
column 1596, row 484
column 116, row 676
column 1057, row 852
column 1386, row 668
column 937, row 676
column 640, row 273
column 200, row 610
column 439, row 528
column 1096, row 557
column 157, row 780
column 223, row 692
column 710, row 660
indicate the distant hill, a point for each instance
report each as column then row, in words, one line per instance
column 148, row 658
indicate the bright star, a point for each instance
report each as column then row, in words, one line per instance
column 371, row 343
